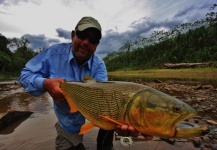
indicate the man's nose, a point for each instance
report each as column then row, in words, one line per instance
column 86, row 41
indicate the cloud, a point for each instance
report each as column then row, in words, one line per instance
column 8, row 27
column 4, row 13
column 63, row 33
column 40, row 41
column 192, row 13
column 145, row 26
column 113, row 40
column 184, row 12
column 17, row 2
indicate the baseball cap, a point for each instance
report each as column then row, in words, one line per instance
column 88, row 22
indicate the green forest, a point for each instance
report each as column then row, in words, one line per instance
column 185, row 43
column 11, row 63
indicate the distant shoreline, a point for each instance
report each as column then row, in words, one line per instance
column 195, row 73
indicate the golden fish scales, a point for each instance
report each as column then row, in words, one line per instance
column 107, row 101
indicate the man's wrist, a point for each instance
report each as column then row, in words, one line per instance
column 46, row 84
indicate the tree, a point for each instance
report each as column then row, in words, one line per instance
column 5, row 53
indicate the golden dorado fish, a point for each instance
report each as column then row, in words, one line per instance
column 107, row 104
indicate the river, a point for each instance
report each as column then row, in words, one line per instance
column 37, row 132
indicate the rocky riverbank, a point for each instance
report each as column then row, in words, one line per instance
column 201, row 97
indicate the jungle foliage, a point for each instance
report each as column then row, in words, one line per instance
column 186, row 43
column 13, row 62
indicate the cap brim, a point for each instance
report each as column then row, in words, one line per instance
column 85, row 26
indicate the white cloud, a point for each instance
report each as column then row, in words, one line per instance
column 46, row 16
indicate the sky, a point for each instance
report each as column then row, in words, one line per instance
column 48, row 22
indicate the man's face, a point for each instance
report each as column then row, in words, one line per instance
column 85, row 43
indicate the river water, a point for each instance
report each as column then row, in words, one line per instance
column 37, row 132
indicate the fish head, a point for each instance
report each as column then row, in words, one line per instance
column 155, row 113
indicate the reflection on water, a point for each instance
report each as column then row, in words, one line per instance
column 36, row 132
column 13, row 125
column 23, row 102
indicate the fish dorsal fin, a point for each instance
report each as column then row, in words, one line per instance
column 88, row 79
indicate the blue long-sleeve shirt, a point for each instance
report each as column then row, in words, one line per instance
column 58, row 62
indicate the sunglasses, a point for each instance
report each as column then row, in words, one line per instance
column 93, row 37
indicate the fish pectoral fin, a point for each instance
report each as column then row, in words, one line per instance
column 70, row 103
column 85, row 128
column 111, row 120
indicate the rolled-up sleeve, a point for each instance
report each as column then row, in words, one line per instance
column 34, row 73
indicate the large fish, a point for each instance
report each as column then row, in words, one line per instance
column 151, row 112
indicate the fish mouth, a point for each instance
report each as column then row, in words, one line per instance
column 186, row 129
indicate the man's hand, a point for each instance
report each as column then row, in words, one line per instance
column 52, row 86
column 125, row 130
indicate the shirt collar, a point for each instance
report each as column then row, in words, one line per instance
column 70, row 54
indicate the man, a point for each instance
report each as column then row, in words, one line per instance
column 70, row 61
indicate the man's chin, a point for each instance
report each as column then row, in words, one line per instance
column 82, row 57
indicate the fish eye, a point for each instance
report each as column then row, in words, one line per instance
column 177, row 108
